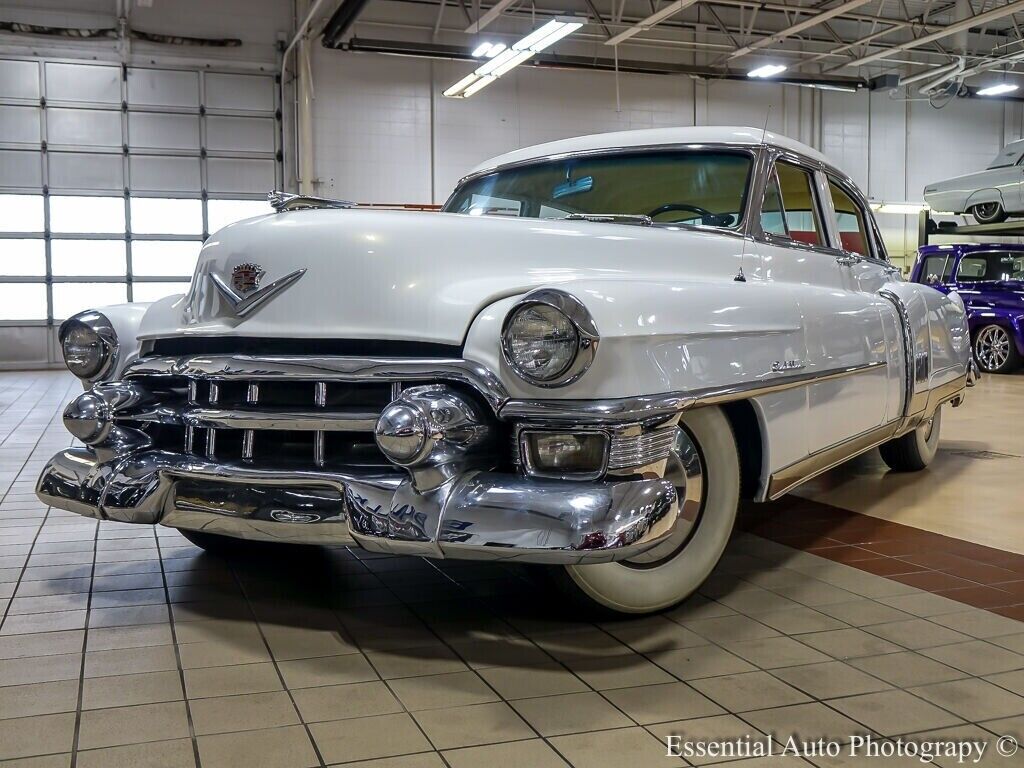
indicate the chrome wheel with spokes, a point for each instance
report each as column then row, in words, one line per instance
column 995, row 350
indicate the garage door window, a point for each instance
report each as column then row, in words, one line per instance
column 111, row 179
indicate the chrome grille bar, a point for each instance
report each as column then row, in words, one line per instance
column 190, row 432
column 252, row 397
column 211, row 433
column 320, row 440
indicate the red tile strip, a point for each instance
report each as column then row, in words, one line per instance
column 979, row 576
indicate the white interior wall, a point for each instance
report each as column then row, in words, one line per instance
column 384, row 132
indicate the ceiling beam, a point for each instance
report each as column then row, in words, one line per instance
column 797, row 28
column 655, row 18
column 975, row 21
column 490, row 15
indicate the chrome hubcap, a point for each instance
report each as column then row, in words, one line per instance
column 992, row 347
column 987, row 210
column 686, row 471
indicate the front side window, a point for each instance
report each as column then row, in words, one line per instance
column 851, row 220
column 691, row 187
column 796, row 214
column 937, row 269
column 990, row 267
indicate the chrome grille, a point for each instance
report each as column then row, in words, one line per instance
column 318, row 423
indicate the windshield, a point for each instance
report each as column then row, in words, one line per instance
column 694, row 187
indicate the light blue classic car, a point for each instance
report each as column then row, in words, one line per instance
column 991, row 195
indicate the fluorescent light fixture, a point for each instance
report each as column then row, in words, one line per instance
column 501, row 60
column 905, row 208
column 997, row 90
column 488, row 50
column 767, row 70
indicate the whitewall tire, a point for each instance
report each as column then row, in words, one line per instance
column 705, row 454
column 915, row 450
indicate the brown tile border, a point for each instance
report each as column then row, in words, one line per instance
column 973, row 574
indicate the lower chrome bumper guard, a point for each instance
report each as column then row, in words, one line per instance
column 479, row 515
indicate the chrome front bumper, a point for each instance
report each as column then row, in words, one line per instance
column 481, row 515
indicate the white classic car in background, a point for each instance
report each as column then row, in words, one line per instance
column 587, row 360
column 991, row 195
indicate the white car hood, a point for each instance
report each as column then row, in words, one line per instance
column 417, row 276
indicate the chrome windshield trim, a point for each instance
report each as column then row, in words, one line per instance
column 651, row 408
column 315, row 368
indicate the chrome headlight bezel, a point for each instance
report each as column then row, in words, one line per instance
column 97, row 324
column 587, row 336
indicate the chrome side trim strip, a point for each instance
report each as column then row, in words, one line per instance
column 788, row 478
column 908, row 347
column 651, row 408
column 303, row 368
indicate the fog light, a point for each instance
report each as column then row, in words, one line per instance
column 87, row 417
column 581, row 454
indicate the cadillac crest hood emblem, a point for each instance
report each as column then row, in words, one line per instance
column 245, row 278
column 244, row 294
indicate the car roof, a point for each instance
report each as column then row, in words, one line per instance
column 740, row 135
column 954, row 248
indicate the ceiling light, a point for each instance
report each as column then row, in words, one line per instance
column 767, row 70
column 997, row 90
column 501, row 60
column 907, row 209
column 488, row 50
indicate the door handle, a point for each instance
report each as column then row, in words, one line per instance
column 847, row 260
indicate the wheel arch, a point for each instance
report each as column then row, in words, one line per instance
column 987, row 195
column 749, row 436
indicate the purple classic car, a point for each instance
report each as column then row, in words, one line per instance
column 990, row 279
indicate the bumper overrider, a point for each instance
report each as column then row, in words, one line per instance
column 438, row 496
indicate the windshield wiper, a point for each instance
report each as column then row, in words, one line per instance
column 611, row 218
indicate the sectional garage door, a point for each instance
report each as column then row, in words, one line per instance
column 110, row 179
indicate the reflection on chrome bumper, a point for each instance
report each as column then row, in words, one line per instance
column 480, row 515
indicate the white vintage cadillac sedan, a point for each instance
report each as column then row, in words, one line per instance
column 598, row 348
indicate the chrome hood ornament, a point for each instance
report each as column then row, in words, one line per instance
column 286, row 201
column 244, row 295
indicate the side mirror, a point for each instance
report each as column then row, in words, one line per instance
column 932, row 280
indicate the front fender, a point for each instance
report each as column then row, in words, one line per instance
column 662, row 336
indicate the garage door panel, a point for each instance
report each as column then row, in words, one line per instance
column 163, row 88
column 20, row 125
column 84, row 127
column 83, row 82
column 78, row 170
column 20, row 169
column 226, row 175
column 160, row 130
column 242, row 92
column 165, row 174
column 240, row 134
column 19, row 80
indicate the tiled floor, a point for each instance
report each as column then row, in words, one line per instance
column 125, row 646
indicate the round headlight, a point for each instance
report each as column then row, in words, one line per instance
column 549, row 338
column 89, row 343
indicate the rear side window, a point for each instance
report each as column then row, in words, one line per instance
column 796, row 214
column 989, row 267
column 851, row 221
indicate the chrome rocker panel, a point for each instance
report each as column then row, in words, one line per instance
column 482, row 515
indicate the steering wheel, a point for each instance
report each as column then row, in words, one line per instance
column 702, row 212
column 706, row 216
